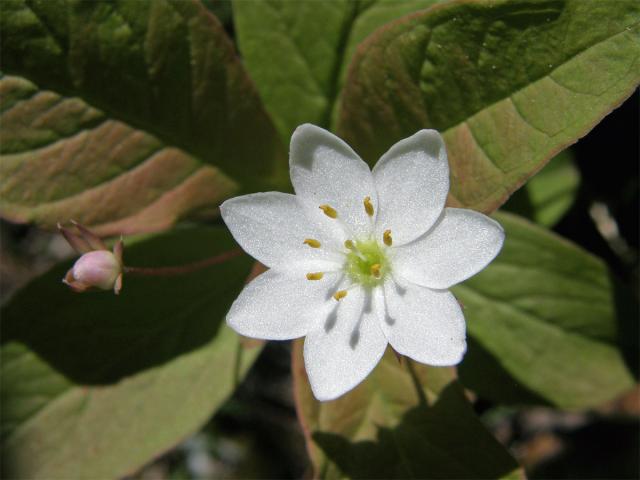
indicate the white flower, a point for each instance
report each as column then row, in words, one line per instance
column 359, row 258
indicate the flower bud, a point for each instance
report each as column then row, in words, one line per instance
column 97, row 269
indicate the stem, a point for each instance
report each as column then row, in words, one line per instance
column 183, row 269
column 237, row 362
column 422, row 399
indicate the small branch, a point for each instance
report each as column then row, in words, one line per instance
column 183, row 269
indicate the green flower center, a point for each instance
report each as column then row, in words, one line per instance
column 367, row 263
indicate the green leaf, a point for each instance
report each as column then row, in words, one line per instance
column 126, row 115
column 548, row 323
column 372, row 14
column 405, row 420
column 94, row 385
column 509, row 83
column 297, row 52
column 550, row 194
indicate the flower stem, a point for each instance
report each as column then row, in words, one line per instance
column 422, row 399
column 183, row 269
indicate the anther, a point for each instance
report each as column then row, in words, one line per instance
column 340, row 294
column 315, row 276
column 368, row 206
column 386, row 238
column 349, row 244
column 329, row 211
column 312, row 242
column 375, row 270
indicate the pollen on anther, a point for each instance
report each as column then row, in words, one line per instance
column 329, row 211
column 315, row 276
column 349, row 244
column 368, row 206
column 313, row 243
column 340, row 294
column 375, row 270
column 386, row 238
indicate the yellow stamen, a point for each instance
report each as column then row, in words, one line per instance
column 375, row 270
column 315, row 276
column 386, row 238
column 349, row 244
column 340, row 294
column 368, row 206
column 312, row 242
column 329, row 211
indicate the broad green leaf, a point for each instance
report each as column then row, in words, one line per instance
column 292, row 51
column 372, row 14
column 550, row 194
column 94, row 385
column 62, row 159
column 509, row 83
column 125, row 115
column 405, row 420
column 549, row 318
column 297, row 52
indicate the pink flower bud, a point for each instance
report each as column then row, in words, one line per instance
column 98, row 269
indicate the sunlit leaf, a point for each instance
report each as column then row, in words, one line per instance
column 509, row 83
column 297, row 52
column 125, row 115
column 548, row 323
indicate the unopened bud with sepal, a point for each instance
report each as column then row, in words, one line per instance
column 98, row 267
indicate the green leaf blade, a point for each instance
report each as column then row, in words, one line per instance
column 74, row 162
column 292, row 50
column 512, row 88
column 163, row 70
column 398, row 423
column 116, row 380
column 558, row 326
column 298, row 52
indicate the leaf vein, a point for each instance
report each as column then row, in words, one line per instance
column 483, row 150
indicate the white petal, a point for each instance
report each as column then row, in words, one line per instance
column 280, row 306
column 272, row 228
column 412, row 180
column 461, row 244
column 325, row 170
column 423, row 324
column 344, row 350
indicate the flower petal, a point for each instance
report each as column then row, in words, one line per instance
column 424, row 324
column 461, row 244
column 344, row 350
column 279, row 306
column 412, row 180
column 272, row 228
column 326, row 171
